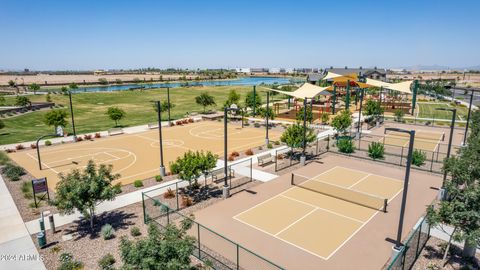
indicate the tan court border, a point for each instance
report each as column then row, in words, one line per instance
column 315, row 208
column 418, row 139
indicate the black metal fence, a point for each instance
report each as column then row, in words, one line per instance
column 287, row 157
column 214, row 249
column 412, row 248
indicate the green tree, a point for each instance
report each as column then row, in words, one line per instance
column 56, row 118
column 309, row 114
column 2, row 124
column 168, row 249
column 372, row 108
column 293, row 136
column 342, row 122
column 11, row 83
column 22, row 101
column 64, row 90
column 2, row 100
column 192, row 164
column 116, row 114
column 251, row 102
column 118, row 81
column 34, row 87
column 264, row 113
column 84, row 191
column 475, row 124
column 73, row 86
column 48, row 97
column 103, row 81
column 163, row 106
column 233, row 98
column 205, row 99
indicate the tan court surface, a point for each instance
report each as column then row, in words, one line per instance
column 306, row 219
column 424, row 140
column 136, row 156
column 300, row 229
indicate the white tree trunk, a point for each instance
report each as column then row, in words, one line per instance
column 469, row 248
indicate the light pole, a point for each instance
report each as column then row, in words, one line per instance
column 267, row 114
column 303, row 158
column 73, row 118
column 468, row 119
column 168, row 100
column 38, row 148
column 226, row 188
column 254, row 99
column 398, row 243
column 359, row 124
column 160, row 140
column 452, row 127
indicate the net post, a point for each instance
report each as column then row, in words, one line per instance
column 238, row 257
column 198, row 241
column 385, row 203
column 176, row 195
column 291, row 179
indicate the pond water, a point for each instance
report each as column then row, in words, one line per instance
column 233, row 82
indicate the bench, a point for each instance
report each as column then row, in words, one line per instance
column 115, row 131
column 153, row 125
column 221, row 172
column 264, row 159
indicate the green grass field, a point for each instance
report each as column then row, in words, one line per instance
column 90, row 109
column 428, row 110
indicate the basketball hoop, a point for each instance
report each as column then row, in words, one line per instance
column 234, row 108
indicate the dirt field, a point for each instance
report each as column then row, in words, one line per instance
column 136, row 156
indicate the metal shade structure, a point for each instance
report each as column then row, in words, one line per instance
column 307, row 90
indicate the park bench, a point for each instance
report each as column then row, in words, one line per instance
column 115, row 131
column 221, row 173
column 266, row 158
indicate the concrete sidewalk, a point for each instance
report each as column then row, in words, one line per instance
column 17, row 250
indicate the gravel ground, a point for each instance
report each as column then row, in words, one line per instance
column 431, row 257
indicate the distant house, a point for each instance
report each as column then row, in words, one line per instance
column 258, row 70
column 242, row 70
column 372, row 73
column 99, row 72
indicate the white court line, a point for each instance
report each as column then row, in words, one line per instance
column 43, row 163
column 112, row 155
column 326, row 210
column 356, row 183
column 295, row 222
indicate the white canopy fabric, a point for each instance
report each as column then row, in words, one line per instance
column 307, row 90
column 403, row 87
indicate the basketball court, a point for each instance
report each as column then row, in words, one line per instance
column 136, row 156
column 320, row 214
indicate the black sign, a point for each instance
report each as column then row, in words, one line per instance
column 40, row 186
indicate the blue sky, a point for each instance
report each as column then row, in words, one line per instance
column 83, row 34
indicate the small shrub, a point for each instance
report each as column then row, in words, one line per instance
column 249, row 152
column 231, row 158
column 257, row 125
column 185, row 121
column 32, row 204
column 13, row 172
column 276, row 142
column 345, row 146
column 107, row 231
column 269, row 146
column 158, row 178
column 376, row 150
column 235, row 154
column 48, row 143
column 279, row 156
column 190, row 120
column 172, row 124
column 97, row 135
column 4, row 159
column 418, row 157
column 87, row 137
column 26, row 189
column 10, row 151
column 399, row 114
column 169, row 194
column 56, row 249
column 186, row 201
column 106, row 262
column 19, row 147
column 33, row 146
column 178, row 123
column 79, row 139
column 68, row 263
column 135, row 231
column 138, row 183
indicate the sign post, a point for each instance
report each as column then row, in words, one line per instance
column 40, row 186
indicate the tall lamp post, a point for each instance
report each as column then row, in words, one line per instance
column 168, row 101
column 267, row 114
column 468, row 119
column 359, row 124
column 73, row 118
column 303, row 158
column 38, row 146
column 449, row 149
column 226, row 188
column 160, row 140
column 398, row 243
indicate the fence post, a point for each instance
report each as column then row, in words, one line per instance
column 276, row 160
column 401, row 157
column 168, row 215
column 251, row 168
column 238, row 258
column 176, row 191
column 431, row 164
column 143, row 204
column 198, row 240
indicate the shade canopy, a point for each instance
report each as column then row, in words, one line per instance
column 307, row 90
column 404, row 87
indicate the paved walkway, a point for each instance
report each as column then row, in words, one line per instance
column 17, row 250
column 443, row 233
column 120, row 201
